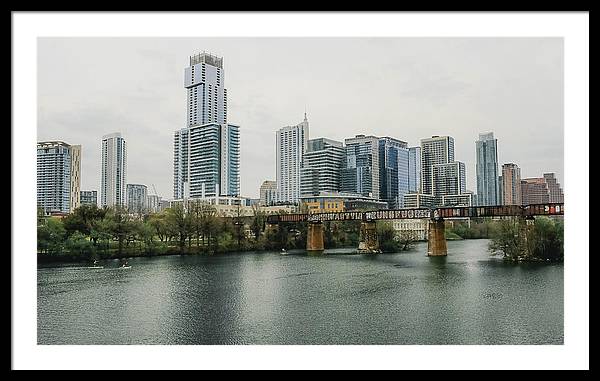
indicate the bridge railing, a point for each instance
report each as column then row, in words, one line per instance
column 421, row 213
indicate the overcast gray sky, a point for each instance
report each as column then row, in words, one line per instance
column 407, row 88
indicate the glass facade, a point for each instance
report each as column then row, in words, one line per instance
column 487, row 170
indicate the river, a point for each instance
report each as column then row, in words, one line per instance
column 467, row 297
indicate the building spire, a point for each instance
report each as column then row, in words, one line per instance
column 306, row 120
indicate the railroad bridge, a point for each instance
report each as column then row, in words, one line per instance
column 436, row 246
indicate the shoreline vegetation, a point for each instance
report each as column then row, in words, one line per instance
column 91, row 233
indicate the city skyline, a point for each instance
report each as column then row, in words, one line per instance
column 411, row 76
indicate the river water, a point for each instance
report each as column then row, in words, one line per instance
column 467, row 297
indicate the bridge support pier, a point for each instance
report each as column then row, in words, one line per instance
column 315, row 238
column 436, row 242
column 368, row 241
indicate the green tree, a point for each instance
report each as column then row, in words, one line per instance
column 259, row 219
column 179, row 222
column 51, row 236
column 388, row 242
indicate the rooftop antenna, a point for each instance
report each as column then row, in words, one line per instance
column 305, row 113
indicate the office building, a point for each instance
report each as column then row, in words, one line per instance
column 58, row 176
column 114, row 170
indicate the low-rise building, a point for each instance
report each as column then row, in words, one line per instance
column 416, row 229
column 419, row 200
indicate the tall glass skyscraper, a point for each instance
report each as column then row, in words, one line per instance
column 290, row 146
column 114, row 170
column 487, row 170
column 414, row 169
column 58, row 176
column 393, row 170
column 206, row 152
column 321, row 167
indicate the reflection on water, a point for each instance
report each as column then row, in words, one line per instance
column 467, row 297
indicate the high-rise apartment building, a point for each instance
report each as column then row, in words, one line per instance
column 291, row 144
column 58, row 176
column 89, row 197
column 511, row 184
column 207, row 161
column 207, row 152
column 448, row 179
column 114, row 170
column 321, row 167
column 137, row 198
column 361, row 168
column 204, row 80
column 487, row 169
column 268, row 192
column 434, row 150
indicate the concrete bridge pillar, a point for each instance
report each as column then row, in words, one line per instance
column 368, row 241
column 314, row 237
column 436, row 243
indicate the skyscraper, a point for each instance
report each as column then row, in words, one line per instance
column 207, row 161
column 393, row 170
column 58, row 176
column 114, row 170
column 487, row 169
column 204, row 80
column 434, row 150
column 399, row 170
column 361, row 168
column 137, row 198
column 291, row 144
column 206, row 153
column 414, row 169
column 448, row 179
column 511, row 184
column 321, row 167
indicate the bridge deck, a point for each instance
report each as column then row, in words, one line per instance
column 458, row 212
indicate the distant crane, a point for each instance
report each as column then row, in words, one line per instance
column 155, row 192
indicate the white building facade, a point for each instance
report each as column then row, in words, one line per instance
column 58, row 176
column 114, row 170
column 291, row 144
